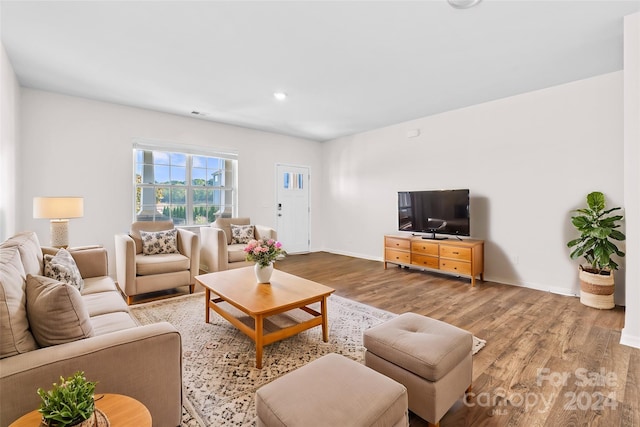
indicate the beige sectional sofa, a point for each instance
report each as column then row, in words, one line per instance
column 144, row 362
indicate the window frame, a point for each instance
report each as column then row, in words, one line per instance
column 230, row 181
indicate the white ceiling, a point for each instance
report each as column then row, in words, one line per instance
column 348, row 66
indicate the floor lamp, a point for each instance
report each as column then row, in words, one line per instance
column 58, row 210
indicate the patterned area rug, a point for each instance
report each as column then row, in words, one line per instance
column 219, row 374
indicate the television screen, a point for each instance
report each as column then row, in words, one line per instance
column 435, row 212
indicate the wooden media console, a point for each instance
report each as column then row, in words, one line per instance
column 459, row 257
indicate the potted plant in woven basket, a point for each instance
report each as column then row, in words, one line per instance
column 71, row 403
column 598, row 229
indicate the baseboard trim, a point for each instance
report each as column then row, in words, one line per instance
column 629, row 340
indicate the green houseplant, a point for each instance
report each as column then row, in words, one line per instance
column 598, row 229
column 69, row 403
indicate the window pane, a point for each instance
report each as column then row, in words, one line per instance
column 161, row 158
column 198, row 176
column 163, row 195
column 178, row 195
column 215, row 163
column 178, row 159
column 178, row 175
column 162, row 174
column 200, row 162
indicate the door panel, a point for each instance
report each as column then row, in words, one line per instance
column 292, row 207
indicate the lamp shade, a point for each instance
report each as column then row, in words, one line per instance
column 58, row 207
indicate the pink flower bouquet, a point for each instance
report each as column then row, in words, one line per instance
column 264, row 251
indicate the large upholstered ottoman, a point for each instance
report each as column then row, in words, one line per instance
column 431, row 358
column 332, row 391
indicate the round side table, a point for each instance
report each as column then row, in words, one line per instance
column 122, row 411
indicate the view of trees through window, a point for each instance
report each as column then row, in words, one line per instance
column 187, row 189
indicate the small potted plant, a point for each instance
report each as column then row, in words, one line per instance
column 69, row 403
column 597, row 229
column 264, row 252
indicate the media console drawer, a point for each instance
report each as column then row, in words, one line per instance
column 425, row 248
column 424, row 260
column 397, row 243
column 399, row 256
column 455, row 252
column 460, row 267
column 461, row 257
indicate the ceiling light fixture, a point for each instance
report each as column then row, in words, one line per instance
column 280, row 96
column 463, row 4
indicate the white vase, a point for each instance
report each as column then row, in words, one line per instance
column 263, row 274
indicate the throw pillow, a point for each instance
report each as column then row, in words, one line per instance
column 159, row 242
column 63, row 268
column 241, row 233
column 15, row 336
column 56, row 312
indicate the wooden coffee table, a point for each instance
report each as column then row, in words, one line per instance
column 122, row 411
column 286, row 292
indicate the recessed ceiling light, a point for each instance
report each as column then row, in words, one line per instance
column 463, row 4
column 280, row 96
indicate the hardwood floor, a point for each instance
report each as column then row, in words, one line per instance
column 549, row 360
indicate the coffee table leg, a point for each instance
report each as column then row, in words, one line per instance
column 325, row 320
column 259, row 330
column 207, row 298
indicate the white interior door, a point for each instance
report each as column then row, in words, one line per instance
column 292, row 207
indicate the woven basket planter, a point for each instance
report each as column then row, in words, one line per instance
column 596, row 290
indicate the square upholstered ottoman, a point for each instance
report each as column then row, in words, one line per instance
column 431, row 358
column 332, row 391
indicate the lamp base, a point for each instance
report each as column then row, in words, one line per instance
column 59, row 233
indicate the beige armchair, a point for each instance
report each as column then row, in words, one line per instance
column 217, row 253
column 138, row 273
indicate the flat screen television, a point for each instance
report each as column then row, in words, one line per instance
column 434, row 212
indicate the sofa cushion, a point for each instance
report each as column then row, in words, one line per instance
column 30, row 252
column 15, row 336
column 236, row 253
column 104, row 302
column 241, row 233
column 159, row 242
column 225, row 225
column 112, row 322
column 94, row 285
column 160, row 264
column 62, row 267
column 92, row 261
column 138, row 226
column 57, row 314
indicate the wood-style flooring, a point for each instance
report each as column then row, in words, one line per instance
column 548, row 361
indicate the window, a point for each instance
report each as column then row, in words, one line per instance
column 183, row 185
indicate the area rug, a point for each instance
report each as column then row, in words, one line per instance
column 219, row 374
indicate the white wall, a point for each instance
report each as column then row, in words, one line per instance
column 78, row 147
column 528, row 161
column 631, row 331
column 9, row 152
